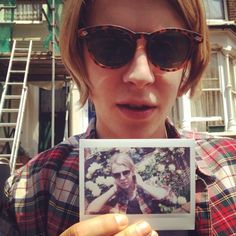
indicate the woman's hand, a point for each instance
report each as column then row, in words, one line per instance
column 109, row 225
column 114, row 189
column 98, row 203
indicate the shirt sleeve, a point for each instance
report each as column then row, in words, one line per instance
column 8, row 224
column 215, row 197
column 42, row 198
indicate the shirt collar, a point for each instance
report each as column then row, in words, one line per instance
column 91, row 130
column 201, row 167
column 202, row 170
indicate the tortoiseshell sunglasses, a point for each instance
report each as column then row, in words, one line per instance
column 113, row 46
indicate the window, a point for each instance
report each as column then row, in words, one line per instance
column 28, row 12
column 215, row 9
column 207, row 110
column 6, row 13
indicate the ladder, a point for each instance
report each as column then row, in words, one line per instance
column 13, row 100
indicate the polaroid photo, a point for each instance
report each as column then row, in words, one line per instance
column 145, row 179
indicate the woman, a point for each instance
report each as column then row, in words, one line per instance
column 132, row 59
column 129, row 194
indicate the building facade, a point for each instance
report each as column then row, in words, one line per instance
column 212, row 109
column 32, row 20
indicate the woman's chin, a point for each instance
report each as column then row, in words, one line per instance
column 125, row 187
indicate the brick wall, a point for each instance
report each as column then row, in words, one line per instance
column 231, row 4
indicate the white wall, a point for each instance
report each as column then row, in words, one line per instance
column 36, row 32
column 30, row 129
column 78, row 115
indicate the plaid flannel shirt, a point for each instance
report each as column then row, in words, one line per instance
column 119, row 203
column 42, row 198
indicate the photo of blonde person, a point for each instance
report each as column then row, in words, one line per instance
column 128, row 193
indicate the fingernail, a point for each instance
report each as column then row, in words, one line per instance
column 154, row 233
column 121, row 220
column 143, row 228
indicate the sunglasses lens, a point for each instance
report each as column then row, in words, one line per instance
column 111, row 47
column 124, row 173
column 169, row 50
column 116, row 175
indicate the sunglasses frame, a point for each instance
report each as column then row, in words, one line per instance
column 125, row 173
column 87, row 32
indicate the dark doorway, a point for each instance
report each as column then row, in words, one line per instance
column 45, row 117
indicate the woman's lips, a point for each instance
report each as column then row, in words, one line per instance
column 136, row 111
column 124, row 184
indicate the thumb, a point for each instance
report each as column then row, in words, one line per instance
column 102, row 225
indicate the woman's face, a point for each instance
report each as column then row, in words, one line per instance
column 123, row 176
column 134, row 100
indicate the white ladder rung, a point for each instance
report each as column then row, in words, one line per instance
column 12, row 97
column 2, row 155
column 10, row 110
column 19, row 59
column 15, row 83
column 22, row 49
column 7, row 124
column 17, row 71
column 6, row 139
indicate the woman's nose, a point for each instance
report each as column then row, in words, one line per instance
column 139, row 72
column 122, row 176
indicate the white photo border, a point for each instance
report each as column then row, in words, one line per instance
column 172, row 221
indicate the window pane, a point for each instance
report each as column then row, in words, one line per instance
column 212, row 69
column 211, row 78
column 214, row 9
column 28, row 12
column 209, row 105
column 1, row 13
column 6, row 13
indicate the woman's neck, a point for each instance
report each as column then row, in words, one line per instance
column 141, row 132
column 131, row 192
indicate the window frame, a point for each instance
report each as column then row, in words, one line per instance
column 215, row 118
column 30, row 21
column 233, row 84
column 225, row 14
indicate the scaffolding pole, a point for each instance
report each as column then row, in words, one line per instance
column 53, row 74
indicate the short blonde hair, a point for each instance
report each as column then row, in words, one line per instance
column 74, row 16
column 122, row 159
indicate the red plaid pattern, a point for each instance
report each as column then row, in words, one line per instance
column 43, row 196
column 216, row 185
